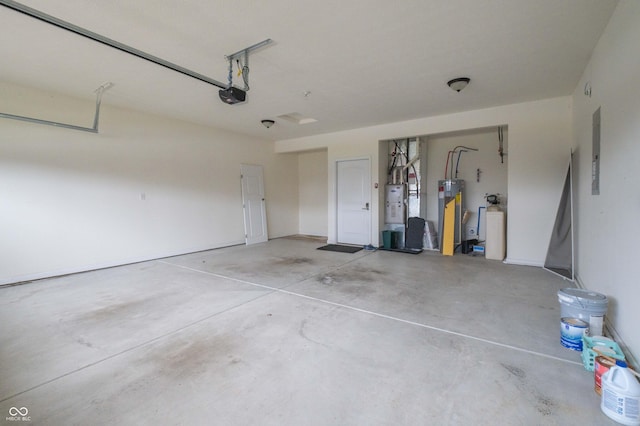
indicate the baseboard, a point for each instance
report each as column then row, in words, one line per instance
column 612, row 333
column 20, row 279
column 523, row 262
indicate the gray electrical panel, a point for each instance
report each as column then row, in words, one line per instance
column 595, row 154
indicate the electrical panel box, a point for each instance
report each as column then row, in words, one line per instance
column 395, row 204
column 595, row 159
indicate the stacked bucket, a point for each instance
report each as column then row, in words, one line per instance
column 582, row 313
column 581, row 329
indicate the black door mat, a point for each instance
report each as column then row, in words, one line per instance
column 340, row 248
column 404, row 250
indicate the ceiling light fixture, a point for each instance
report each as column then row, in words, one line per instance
column 458, row 84
column 268, row 123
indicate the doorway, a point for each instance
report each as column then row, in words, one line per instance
column 353, row 201
column 253, row 204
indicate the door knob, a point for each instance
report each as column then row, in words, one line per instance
column 366, row 206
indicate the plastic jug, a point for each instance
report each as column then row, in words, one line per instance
column 621, row 395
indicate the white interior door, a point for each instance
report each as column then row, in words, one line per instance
column 354, row 202
column 255, row 216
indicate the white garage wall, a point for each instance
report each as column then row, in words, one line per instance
column 145, row 187
column 607, row 249
column 312, row 192
column 539, row 146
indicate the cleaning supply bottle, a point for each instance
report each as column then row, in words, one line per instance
column 621, row 395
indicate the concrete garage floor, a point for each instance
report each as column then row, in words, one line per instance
column 283, row 334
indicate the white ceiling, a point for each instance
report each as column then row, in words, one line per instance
column 365, row 62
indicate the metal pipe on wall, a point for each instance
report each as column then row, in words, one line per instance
column 96, row 120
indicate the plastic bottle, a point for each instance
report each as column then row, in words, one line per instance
column 621, row 395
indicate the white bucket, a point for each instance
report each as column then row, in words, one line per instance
column 588, row 306
column 571, row 332
column 620, row 399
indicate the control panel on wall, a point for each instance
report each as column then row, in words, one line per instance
column 595, row 154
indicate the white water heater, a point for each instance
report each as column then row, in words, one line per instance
column 449, row 189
